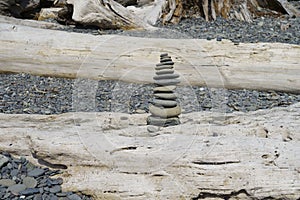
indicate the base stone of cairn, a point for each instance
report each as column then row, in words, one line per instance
column 164, row 108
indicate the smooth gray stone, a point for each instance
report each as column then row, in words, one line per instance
column 74, row 197
column 29, row 182
column 166, row 76
column 167, row 82
column 163, row 54
column 164, row 112
column 156, row 121
column 36, row 172
column 38, row 197
column 168, row 88
column 30, row 191
column 7, row 182
column 14, row 172
column 16, row 189
column 3, row 160
column 164, row 67
column 164, row 71
column 164, row 103
column 165, row 95
column 166, row 59
column 152, row 129
column 55, row 189
column 165, row 63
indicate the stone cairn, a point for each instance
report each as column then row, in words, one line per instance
column 164, row 108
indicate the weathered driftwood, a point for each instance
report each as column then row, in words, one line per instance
column 105, row 14
column 213, row 155
column 243, row 10
column 199, row 62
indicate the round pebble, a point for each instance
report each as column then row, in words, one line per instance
column 29, row 182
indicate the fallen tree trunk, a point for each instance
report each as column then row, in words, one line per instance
column 199, row 62
column 209, row 156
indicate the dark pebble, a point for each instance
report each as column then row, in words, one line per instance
column 36, row 172
column 30, row 191
column 55, row 189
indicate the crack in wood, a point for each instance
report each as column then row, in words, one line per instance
column 204, row 195
column 216, row 162
column 123, row 149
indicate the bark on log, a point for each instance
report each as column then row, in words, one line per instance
column 199, row 62
column 210, row 155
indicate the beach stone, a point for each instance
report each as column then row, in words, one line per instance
column 16, row 189
column 165, row 82
column 38, row 197
column 55, row 189
column 165, row 59
column 74, row 197
column 164, row 67
column 29, row 182
column 164, row 71
column 7, row 182
column 36, row 172
column 165, row 95
column 3, row 160
column 157, row 121
column 163, row 54
column 152, row 129
column 164, row 112
column 168, row 88
column 166, row 76
column 30, row 191
column 164, row 103
column 165, row 63
column 14, row 172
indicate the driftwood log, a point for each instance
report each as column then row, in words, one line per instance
column 209, row 156
column 263, row 66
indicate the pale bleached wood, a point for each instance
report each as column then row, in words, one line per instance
column 112, row 156
column 199, row 62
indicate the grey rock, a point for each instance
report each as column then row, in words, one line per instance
column 3, row 160
column 166, row 76
column 152, row 129
column 164, row 112
column 14, row 172
column 165, row 63
column 9, row 166
column 164, row 103
column 38, row 197
column 55, row 189
column 36, row 172
column 169, row 88
column 30, row 191
column 165, row 82
column 165, row 95
column 165, row 59
column 16, row 189
column 164, row 71
column 164, row 67
column 74, row 197
column 29, row 182
column 157, row 121
column 163, row 54
column 7, row 182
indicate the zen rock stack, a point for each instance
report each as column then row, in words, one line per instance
column 164, row 108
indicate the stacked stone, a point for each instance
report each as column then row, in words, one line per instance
column 164, row 108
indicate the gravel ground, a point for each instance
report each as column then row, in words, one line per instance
column 283, row 30
column 24, row 93
column 20, row 179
